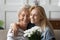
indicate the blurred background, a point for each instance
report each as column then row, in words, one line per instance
column 9, row 8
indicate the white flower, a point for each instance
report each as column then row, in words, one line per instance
column 25, row 35
column 29, row 35
column 31, row 31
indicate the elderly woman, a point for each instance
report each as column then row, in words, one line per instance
column 16, row 31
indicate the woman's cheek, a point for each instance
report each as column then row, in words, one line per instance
column 35, row 18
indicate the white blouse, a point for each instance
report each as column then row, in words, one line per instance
column 10, row 35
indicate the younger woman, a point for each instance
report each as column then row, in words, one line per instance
column 38, row 17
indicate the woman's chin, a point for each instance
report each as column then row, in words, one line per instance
column 32, row 22
column 25, row 23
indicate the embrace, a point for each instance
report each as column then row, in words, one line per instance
column 28, row 18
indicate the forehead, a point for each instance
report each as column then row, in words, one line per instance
column 25, row 12
column 35, row 11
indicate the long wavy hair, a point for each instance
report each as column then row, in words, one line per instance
column 41, row 10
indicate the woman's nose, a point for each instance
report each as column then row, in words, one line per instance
column 31, row 16
column 25, row 17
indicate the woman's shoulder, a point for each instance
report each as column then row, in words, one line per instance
column 11, row 27
column 14, row 24
column 49, row 33
column 47, row 28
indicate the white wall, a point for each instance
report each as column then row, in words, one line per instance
column 8, row 9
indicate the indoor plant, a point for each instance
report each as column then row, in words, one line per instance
column 1, row 24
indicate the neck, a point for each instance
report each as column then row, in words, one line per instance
column 42, row 24
column 39, row 23
column 22, row 26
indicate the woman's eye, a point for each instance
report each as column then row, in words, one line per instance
column 23, row 15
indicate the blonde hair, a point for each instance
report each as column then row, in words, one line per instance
column 15, row 26
column 42, row 11
column 25, row 8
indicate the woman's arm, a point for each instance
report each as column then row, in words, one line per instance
column 10, row 35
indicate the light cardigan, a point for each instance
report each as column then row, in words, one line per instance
column 48, row 34
column 10, row 35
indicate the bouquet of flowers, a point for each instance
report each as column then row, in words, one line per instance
column 33, row 34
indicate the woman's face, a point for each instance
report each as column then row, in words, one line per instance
column 35, row 16
column 24, row 17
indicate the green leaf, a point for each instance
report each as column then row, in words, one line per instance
column 35, row 36
column 1, row 23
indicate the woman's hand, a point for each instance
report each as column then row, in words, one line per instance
column 15, row 28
